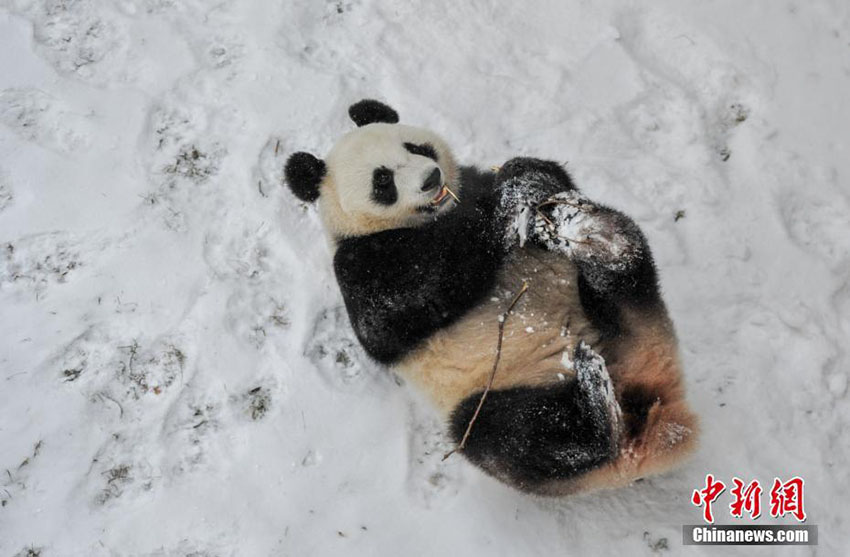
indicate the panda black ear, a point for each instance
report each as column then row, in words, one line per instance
column 304, row 173
column 369, row 111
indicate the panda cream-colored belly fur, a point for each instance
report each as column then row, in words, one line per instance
column 547, row 323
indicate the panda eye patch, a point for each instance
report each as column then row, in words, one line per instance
column 384, row 191
column 425, row 149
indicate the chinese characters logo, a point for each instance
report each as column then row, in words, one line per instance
column 785, row 498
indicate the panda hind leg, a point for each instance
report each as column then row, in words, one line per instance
column 533, row 437
column 606, row 245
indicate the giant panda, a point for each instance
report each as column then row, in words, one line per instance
column 588, row 392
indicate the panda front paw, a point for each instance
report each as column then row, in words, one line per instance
column 523, row 183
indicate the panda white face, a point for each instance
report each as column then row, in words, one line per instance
column 384, row 176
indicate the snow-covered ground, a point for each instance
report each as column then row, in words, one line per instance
column 177, row 375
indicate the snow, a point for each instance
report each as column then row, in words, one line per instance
column 177, row 376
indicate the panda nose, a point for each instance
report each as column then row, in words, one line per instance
column 433, row 180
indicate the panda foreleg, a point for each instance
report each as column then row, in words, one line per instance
column 531, row 436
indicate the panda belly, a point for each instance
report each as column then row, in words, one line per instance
column 547, row 323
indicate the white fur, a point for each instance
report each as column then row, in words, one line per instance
column 345, row 202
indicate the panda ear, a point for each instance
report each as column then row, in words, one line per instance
column 304, row 173
column 369, row 111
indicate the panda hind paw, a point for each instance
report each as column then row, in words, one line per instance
column 595, row 384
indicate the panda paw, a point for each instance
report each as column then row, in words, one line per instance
column 522, row 183
column 595, row 384
column 561, row 221
column 571, row 224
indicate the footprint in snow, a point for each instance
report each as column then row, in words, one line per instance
column 337, row 354
column 45, row 120
column 430, row 479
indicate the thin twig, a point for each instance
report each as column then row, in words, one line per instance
column 502, row 319
column 452, row 193
column 277, row 147
column 120, row 408
column 559, row 201
column 546, row 219
column 132, row 348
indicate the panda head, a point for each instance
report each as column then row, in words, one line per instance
column 380, row 176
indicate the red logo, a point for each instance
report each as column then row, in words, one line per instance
column 746, row 499
column 706, row 496
column 785, row 498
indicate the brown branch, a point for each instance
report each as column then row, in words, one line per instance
column 559, row 201
column 502, row 319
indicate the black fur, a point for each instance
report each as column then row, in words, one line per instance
column 384, row 190
column 532, row 435
column 304, row 173
column 604, row 290
column 425, row 149
column 603, row 313
column 400, row 286
column 636, row 282
column 370, row 111
column 548, row 175
column 528, row 182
